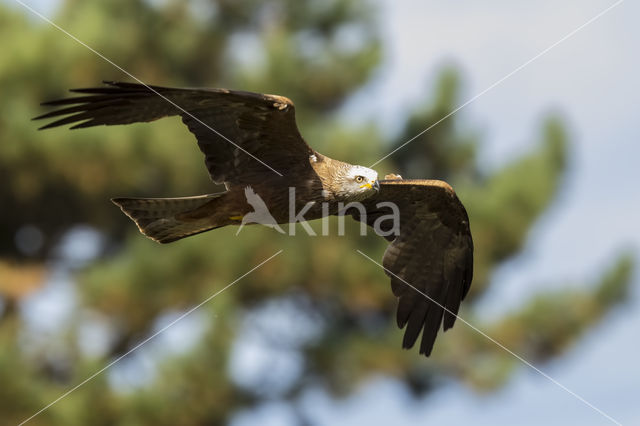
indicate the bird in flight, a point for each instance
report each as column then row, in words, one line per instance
column 252, row 140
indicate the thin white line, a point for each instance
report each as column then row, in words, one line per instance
column 163, row 329
column 512, row 73
column 500, row 345
column 35, row 12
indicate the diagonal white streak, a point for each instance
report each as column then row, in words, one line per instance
column 35, row 12
column 503, row 79
column 162, row 330
column 515, row 355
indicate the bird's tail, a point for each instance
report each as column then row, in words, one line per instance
column 163, row 219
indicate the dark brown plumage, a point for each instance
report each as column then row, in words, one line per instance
column 430, row 260
column 251, row 144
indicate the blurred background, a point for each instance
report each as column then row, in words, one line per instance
column 545, row 163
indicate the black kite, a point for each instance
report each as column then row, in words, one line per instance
column 251, row 140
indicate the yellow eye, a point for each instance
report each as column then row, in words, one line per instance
column 359, row 179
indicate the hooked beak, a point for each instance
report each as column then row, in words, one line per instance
column 372, row 185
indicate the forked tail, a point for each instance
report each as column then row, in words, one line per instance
column 157, row 217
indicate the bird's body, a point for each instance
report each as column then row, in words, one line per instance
column 251, row 144
column 315, row 195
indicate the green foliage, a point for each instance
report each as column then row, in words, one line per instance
column 318, row 54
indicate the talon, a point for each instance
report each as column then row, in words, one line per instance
column 235, row 217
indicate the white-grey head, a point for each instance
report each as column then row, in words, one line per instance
column 358, row 183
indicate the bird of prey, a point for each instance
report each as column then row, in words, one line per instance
column 251, row 140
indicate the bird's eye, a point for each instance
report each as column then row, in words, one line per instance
column 359, row 179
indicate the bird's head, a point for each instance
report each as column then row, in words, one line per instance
column 358, row 183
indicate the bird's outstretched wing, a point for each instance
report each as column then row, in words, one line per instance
column 242, row 134
column 430, row 260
